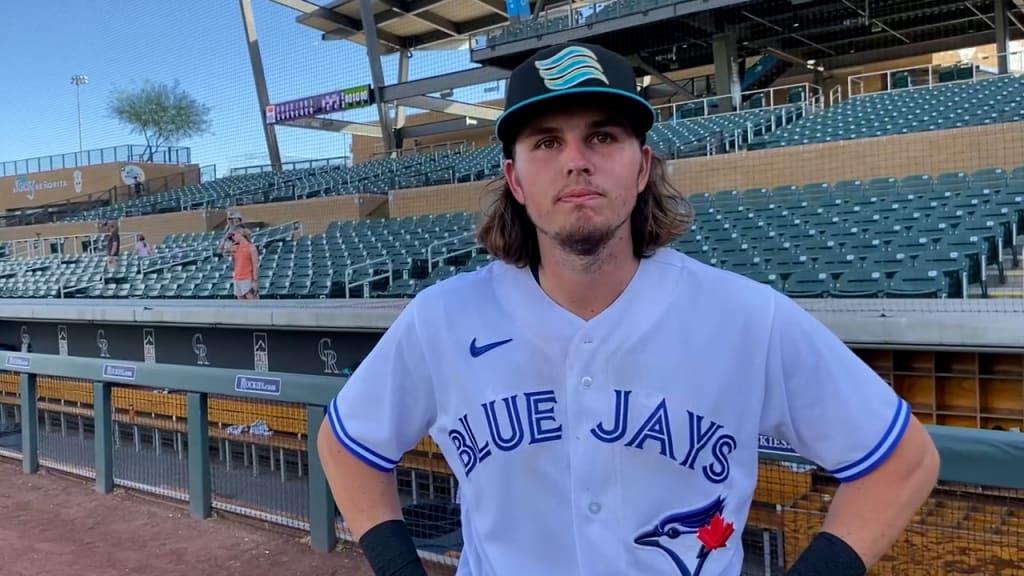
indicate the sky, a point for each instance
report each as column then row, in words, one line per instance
column 119, row 44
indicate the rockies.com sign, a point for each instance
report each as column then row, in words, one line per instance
column 258, row 385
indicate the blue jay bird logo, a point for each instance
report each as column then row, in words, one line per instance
column 705, row 521
column 570, row 67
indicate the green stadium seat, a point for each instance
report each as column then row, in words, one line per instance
column 917, row 283
column 808, row 284
column 860, row 283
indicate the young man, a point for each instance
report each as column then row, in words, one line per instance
column 246, row 260
column 598, row 396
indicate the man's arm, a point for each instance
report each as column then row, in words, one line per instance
column 366, row 497
column 871, row 513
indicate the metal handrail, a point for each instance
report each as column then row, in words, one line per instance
column 34, row 245
column 349, row 270
column 143, row 269
column 810, row 90
column 63, row 290
column 430, row 260
column 931, row 68
column 272, row 234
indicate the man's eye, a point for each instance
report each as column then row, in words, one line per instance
column 602, row 138
column 546, row 143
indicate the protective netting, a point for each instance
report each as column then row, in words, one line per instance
column 151, row 440
column 259, row 463
column 10, row 414
column 66, row 425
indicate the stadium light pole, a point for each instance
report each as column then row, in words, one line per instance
column 78, row 80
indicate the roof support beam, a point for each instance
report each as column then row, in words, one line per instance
column 445, row 127
column 496, row 5
column 451, row 107
column 1002, row 36
column 262, row 95
column 348, row 27
column 471, row 77
column 670, row 83
column 376, row 72
column 331, row 125
column 876, row 21
column 429, row 18
column 904, row 51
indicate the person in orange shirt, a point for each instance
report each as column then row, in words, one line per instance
column 247, row 264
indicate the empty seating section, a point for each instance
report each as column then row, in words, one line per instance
column 381, row 175
column 672, row 139
column 944, row 106
column 917, row 236
column 394, row 257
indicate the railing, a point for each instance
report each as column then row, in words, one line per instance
column 452, row 240
column 365, row 282
column 971, row 519
column 835, row 95
column 126, row 153
column 291, row 229
column 460, row 146
column 198, row 384
column 48, row 245
column 164, row 260
column 812, row 97
column 343, row 161
column 64, row 290
column 561, row 18
column 929, row 75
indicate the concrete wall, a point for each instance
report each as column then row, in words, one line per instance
column 931, row 153
column 467, row 197
column 317, row 213
column 74, row 184
column 158, row 226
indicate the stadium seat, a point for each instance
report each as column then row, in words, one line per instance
column 917, row 283
column 860, row 283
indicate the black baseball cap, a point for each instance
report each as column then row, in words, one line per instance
column 567, row 72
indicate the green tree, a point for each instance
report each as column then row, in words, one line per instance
column 164, row 114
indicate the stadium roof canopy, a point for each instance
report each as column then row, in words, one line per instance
column 834, row 33
column 403, row 24
column 661, row 36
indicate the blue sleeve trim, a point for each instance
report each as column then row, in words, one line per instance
column 878, row 454
column 359, row 450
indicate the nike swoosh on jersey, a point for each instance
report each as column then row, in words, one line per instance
column 477, row 351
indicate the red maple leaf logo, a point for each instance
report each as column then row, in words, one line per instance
column 716, row 533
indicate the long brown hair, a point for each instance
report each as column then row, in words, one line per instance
column 660, row 215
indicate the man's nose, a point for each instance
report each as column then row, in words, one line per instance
column 577, row 158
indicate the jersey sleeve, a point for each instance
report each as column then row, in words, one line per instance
column 823, row 400
column 388, row 404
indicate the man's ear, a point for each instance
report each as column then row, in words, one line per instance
column 644, row 174
column 512, row 179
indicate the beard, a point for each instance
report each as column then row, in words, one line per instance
column 585, row 239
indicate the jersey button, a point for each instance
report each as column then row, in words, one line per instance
column 595, row 508
column 586, row 381
column 587, row 339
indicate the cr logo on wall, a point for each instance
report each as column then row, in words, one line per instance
column 199, row 347
column 329, row 356
column 101, row 341
column 132, row 174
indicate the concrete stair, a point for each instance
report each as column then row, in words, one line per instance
column 1012, row 285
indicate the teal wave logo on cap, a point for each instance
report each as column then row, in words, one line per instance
column 569, row 67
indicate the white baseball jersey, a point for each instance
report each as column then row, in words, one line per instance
column 627, row 444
